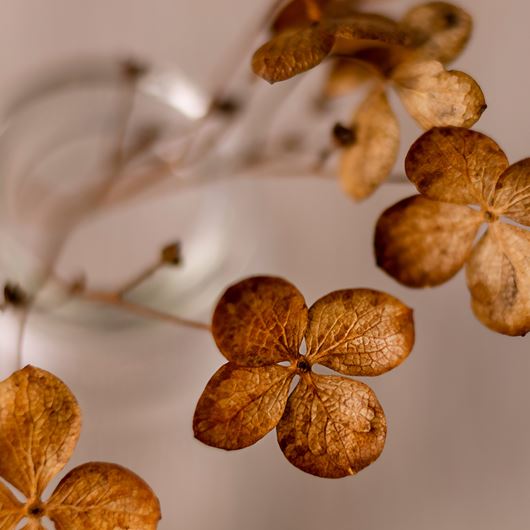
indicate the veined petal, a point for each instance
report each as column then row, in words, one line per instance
column 359, row 332
column 260, row 321
column 103, row 496
column 453, row 164
column 498, row 276
column 368, row 161
column 435, row 97
column 40, row 422
column 423, row 243
column 332, row 426
column 512, row 193
column 241, row 405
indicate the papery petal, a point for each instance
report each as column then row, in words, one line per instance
column 359, row 332
column 11, row 510
column 435, row 97
column 103, row 496
column 241, row 405
column 40, row 422
column 260, row 321
column 292, row 52
column 498, row 276
column 423, row 243
column 332, row 426
column 440, row 30
column 512, row 193
column 368, row 161
column 456, row 165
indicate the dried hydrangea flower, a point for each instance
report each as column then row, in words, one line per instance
column 432, row 95
column 307, row 31
column 426, row 239
column 40, row 423
column 329, row 426
column 410, row 56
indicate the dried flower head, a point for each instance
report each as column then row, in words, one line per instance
column 409, row 55
column 40, row 423
column 307, row 31
column 426, row 239
column 329, row 426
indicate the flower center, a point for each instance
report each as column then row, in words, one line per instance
column 490, row 217
column 35, row 509
column 302, row 365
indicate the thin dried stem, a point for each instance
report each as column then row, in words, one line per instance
column 114, row 299
column 24, row 315
column 139, row 278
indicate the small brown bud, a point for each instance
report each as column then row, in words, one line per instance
column 172, row 254
column 343, row 136
column 14, row 295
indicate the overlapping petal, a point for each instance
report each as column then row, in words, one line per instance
column 103, row 496
column 368, row 161
column 498, row 276
column 11, row 510
column 439, row 30
column 260, row 321
column 292, row 52
column 40, row 423
column 456, row 165
column 332, row 426
column 424, row 243
column 512, row 193
column 435, row 97
column 241, row 405
column 359, row 332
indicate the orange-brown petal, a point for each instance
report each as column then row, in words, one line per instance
column 423, row 243
column 346, row 75
column 11, row 510
column 239, row 405
column 498, row 276
column 368, row 161
column 512, row 193
column 435, row 97
column 260, row 321
column 439, row 30
column 40, row 422
column 359, row 332
column 292, row 52
column 455, row 165
column 103, row 496
column 332, row 426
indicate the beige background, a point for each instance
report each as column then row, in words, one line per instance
column 457, row 454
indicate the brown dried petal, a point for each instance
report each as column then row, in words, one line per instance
column 512, row 193
column 359, row 332
column 295, row 14
column 368, row 162
column 241, row 405
column 103, row 496
column 11, row 511
column 40, row 423
column 498, row 276
column 455, row 165
column 347, row 75
column 440, row 30
column 292, row 52
column 260, row 321
column 362, row 30
column 435, row 97
column 423, row 243
column 332, row 426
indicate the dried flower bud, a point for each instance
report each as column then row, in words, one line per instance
column 14, row 295
column 172, row 254
column 344, row 136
